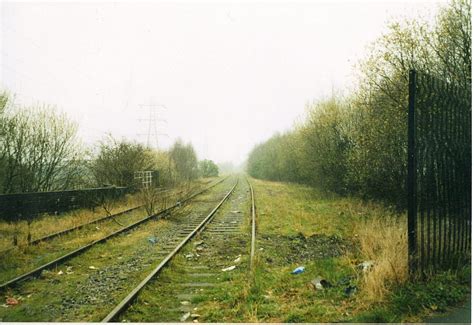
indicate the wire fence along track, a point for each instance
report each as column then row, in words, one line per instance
column 122, row 306
column 86, row 247
column 439, row 174
column 254, row 226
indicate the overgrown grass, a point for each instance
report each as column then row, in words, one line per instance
column 49, row 223
column 296, row 226
column 89, row 285
column 414, row 301
column 290, row 218
column 383, row 241
column 25, row 258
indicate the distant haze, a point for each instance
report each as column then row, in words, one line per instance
column 229, row 74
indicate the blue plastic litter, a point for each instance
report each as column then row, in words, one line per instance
column 298, row 270
column 152, row 240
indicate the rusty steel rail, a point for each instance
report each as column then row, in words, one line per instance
column 82, row 249
column 254, row 226
column 78, row 227
column 123, row 305
column 63, row 232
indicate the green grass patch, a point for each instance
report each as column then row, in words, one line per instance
column 299, row 226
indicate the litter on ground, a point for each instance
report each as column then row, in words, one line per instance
column 350, row 290
column 230, row 268
column 12, row 301
column 298, row 270
column 184, row 317
column 366, row 266
column 319, row 283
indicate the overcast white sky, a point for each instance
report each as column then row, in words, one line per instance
column 229, row 73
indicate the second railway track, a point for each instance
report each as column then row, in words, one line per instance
column 88, row 287
column 61, row 259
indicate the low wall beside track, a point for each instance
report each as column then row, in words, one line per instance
column 24, row 206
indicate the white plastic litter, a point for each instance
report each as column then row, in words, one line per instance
column 184, row 317
column 366, row 266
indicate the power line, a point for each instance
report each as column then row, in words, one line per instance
column 153, row 119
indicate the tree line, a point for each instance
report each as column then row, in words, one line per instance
column 357, row 144
column 41, row 151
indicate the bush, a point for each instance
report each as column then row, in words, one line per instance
column 118, row 160
column 358, row 145
column 207, row 168
column 184, row 160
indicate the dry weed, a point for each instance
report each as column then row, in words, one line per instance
column 383, row 241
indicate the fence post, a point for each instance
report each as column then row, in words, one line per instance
column 411, row 179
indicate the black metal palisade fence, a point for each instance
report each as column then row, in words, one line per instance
column 439, row 173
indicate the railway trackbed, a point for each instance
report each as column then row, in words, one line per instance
column 87, row 287
column 102, row 282
column 99, row 220
column 204, row 262
column 70, row 254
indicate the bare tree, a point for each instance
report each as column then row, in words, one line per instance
column 39, row 150
column 150, row 198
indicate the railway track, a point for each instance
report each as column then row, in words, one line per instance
column 71, row 229
column 253, row 213
column 78, row 227
column 210, row 228
column 71, row 254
